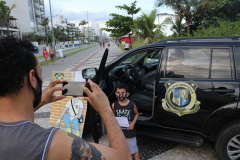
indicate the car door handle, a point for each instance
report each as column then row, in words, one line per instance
column 224, row 90
column 219, row 90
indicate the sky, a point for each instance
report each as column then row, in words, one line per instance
column 97, row 10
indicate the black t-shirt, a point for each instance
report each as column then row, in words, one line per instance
column 126, row 111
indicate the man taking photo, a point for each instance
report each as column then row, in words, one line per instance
column 21, row 95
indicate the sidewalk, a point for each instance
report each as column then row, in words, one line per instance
column 94, row 59
column 65, row 50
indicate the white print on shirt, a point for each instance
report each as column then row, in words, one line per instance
column 77, row 104
column 123, row 113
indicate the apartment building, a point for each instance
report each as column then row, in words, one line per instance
column 89, row 33
column 58, row 21
column 28, row 14
column 73, row 28
column 95, row 26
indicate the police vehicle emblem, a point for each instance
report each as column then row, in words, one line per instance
column 180, row 98
column 59, row 76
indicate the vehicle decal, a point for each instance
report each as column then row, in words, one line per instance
column 180, row 98
column 59, row 76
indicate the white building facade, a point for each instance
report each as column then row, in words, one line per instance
column 58, row 21
column 29, row 14
column 95, row 26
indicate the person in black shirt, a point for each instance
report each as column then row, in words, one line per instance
column 127, row 108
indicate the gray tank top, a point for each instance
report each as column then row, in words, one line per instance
column 24, row 140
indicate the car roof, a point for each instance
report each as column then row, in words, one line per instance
column 198, row 41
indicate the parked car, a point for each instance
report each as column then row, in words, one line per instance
column 186, row 90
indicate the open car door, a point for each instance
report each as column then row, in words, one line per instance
column 94, row 117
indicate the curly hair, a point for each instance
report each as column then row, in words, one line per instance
column 16, row 60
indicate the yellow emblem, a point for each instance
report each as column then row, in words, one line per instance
column 180, row 98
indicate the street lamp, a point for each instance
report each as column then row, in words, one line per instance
column 88, row 29
column 53, row 41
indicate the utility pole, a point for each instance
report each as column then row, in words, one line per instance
column 88, row 29
column 53, row 42
column 78, row 36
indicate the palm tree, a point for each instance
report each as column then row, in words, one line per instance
column 177, row 26
column 45, row 24
column 131, row 10
column 63, row 35
column 57, row 33
column 68, row 30
column 83, row 23
column 144, row 25
column 183, row 8
column 5, row 15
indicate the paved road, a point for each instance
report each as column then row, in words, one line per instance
column 149, row 148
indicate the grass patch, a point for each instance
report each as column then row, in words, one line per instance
column 137, row 43
column 67, row 55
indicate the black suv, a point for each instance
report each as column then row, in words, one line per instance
column 186, row 90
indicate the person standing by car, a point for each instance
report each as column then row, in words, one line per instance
column 21, row 95
column 127, row 108
column 60, row 52
column 126, row 46
column 52, row 54
column 45, row 55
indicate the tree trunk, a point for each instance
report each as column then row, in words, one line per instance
column 188, row 27
column 130, row 42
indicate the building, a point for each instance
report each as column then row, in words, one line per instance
column 73, row 29
column 58, row 21
column 104, row 34
column 89, row 33
column 13, row 27
column 96, row 27
column 29, row 14
column 100, row 33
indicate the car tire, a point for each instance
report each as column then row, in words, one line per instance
column 226, row 142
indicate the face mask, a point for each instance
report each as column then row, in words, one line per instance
column 121, row 97
column 38, row 96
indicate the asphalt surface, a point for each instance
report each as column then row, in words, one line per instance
column 149, row 148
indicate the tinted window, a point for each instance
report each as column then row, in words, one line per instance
column 131, row 59
column 188, row 63
column 237, row 60
column 221, row 65
column 153, row 57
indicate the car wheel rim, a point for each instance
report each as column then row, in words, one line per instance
column 233, row 148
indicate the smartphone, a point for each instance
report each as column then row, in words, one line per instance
column 73, row 88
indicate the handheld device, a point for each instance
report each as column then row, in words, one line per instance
column 73, row 88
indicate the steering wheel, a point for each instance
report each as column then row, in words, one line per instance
column 131, row 73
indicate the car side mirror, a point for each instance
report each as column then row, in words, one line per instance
column 89, row 73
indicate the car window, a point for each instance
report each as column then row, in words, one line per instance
column 188, row 63
column 130, row 59
column 221, row 64
column 237, row 60
column 153, row 57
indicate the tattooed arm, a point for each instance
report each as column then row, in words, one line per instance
column 68, row 146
